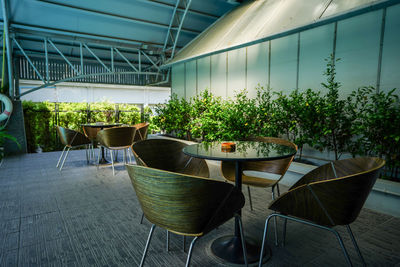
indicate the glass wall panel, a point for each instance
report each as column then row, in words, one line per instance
column 218, row 74
column 190, row 79
column 203, row 74
column 315, row 46
column 257, row 67
column 236, row 71
column 178, row 80
column 390, row 53
column 284, row 63
column 358, row 48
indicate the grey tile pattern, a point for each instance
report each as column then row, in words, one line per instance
column 85, row 216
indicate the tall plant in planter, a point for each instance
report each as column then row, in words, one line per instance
column 207, row 116
column 265, row 124
column 174, row 117
column 376, row 122
column 336, row 127
column 239, row 117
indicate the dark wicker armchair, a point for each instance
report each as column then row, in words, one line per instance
column 185, row 205
column 330, row 195
column 71, row 139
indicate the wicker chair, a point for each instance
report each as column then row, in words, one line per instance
column 141, row 131
column 185, row 205
column 71, row 139
column 167, row 155
column 116, row 138
column 330, row 195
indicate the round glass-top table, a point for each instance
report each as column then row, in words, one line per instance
column 229, row 248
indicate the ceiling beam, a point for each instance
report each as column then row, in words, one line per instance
column 171, row 6
column 115, row 16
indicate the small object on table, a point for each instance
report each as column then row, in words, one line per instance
column 228, row 147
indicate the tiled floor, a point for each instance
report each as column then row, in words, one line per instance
column 85, row 216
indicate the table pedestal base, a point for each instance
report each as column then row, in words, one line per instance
column 229, row 248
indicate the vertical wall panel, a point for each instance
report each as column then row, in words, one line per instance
column 257, row 67
column 390, row 77
column 203, row 74
column 236, row 71
column 315, row 46
column 358, row 48
column 178, row 80
column 218, row 74
column 190, row 79
column 284, row 63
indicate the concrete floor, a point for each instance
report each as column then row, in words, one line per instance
column 85, row 216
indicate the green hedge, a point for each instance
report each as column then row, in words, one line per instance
column 40, row 119
column 365, row 123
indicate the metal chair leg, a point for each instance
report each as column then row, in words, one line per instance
column 355, row 245
column 87, row 154
column 264, row 237
column 167, row 240
column 346, row 255
column 284, row 232
column 275, row 221
column 129, row 155
column 243, row 240
column 141, row 220
column 59, row 160
column 112, row 161
column 147, row 244
column 62, row 165
column 190, row 251
column 251, row 202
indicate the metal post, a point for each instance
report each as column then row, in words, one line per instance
column 8, row 45
column 47, row 60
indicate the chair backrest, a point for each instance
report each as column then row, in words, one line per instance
column 70, row 137
column 279, row 166
column 166, row 154
column 141, row 131
column 91, row 132
column 117, row 137
column 324, row 199
column 183, row 204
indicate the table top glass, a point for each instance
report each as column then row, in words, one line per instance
column 245, row 151
column 101, row 124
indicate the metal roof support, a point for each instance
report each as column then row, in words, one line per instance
column 83, row 76
column 170, row 25
column 140, row 60
column 96, row 57
column 9, row 47
column 127, row 61
column 152, row 62
column 46, row 55
column 112, row 59
column 180, row 27
column 81, row 56
column 62, row 55
column 29, row 60
column 114, row 16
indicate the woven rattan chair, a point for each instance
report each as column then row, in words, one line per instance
column 167, row 155
column 91, row 133
column 71, row 139
column 272, row 171
column 330, row 195
column 141, row 131
column 185, row 205
column 117, row 138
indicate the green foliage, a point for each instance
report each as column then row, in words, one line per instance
column 375, row 121
column 38, row 126
column 265, row 124
column 40, row 119
column 3, row 136
column 337, row 122
column 174, row 116
column 206, row 116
